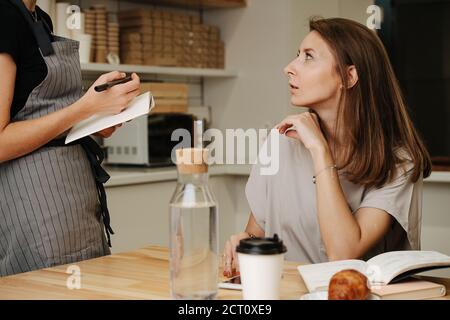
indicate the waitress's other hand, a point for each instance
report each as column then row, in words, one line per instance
column 106, row 133
column 230, row 260
column 113, row 100
column 304, row 127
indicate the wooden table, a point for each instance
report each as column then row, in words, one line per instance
column 139, row 274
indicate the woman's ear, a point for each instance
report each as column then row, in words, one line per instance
column 352, row 76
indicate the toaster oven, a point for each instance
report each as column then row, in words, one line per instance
column 146, row 141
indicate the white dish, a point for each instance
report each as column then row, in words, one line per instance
column 323, row 295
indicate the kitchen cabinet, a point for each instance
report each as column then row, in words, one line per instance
column 138, row 201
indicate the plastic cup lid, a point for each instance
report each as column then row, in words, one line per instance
column 261, row 246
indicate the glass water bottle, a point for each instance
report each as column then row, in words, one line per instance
column 193, row 230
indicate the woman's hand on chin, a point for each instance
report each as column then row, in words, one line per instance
column 304, row 127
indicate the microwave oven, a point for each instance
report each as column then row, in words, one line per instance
column 146, row 141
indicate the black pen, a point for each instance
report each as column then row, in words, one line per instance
column 108, row 85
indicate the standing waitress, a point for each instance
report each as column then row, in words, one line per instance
column 52, row 201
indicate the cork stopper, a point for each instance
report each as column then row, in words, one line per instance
column 192, row 160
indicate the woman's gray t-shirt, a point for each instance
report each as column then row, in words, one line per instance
column 285, row 203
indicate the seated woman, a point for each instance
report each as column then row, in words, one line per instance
column 358, row 143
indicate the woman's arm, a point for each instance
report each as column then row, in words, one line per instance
column 20, row 138
column 23, row 137
column 345, row 236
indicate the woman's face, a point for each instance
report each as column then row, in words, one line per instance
column 313, row 79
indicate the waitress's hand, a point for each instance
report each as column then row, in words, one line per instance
column 230, row 260
column 305, row 128
column 106, row 133
column 113, row 100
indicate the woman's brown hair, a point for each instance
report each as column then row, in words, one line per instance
column 372, row 115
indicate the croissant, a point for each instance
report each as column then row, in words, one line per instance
column 348, row 285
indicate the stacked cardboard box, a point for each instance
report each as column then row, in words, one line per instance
column 113, row 38
column 90, row 29
column 101, row 39
column 168, row 38
column 105, row 34
column 169, row 97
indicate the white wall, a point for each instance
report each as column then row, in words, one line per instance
column 257, row 45
column 436, row 220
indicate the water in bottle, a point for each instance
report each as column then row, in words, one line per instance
column 193, row 230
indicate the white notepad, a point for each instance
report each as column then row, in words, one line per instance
column 141, row 105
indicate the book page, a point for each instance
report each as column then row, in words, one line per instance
column 141, row 105
column 386, row 266
column 317, row 276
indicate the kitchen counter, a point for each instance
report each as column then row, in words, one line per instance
column 128, row 175
column 134, row 175
column 138, row 274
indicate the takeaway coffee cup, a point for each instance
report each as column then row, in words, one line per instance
column 261, row 265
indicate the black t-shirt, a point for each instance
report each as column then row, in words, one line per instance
column 17, row 39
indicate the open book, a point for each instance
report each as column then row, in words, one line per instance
column 141, row 105
column 381, row 270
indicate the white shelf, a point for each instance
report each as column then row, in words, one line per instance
column 96, row 68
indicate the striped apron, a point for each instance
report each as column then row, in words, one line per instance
column 50, row 212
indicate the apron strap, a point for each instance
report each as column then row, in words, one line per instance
column 38, row 27
column 47, row 27
column 95, row 156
